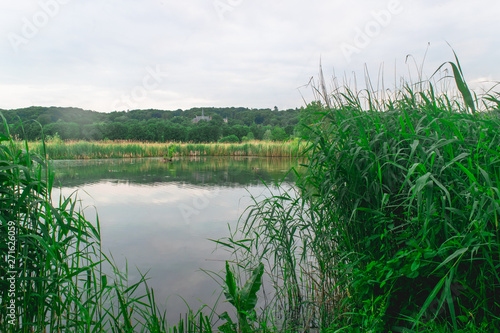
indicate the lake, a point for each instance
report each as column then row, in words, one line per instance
column 158, row 217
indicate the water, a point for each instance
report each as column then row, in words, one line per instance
column 158, row 217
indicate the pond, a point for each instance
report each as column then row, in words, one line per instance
column 158, row 217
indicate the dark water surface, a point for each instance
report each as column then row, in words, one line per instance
column 158, row 216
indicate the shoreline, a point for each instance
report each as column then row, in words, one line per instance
column 72, row 150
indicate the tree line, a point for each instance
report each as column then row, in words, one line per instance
column 226, row 124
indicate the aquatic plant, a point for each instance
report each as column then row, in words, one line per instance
column 59, row 149
column 393, row 223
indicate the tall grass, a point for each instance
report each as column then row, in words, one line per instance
column 58, row 149
column 52, row 267
column 394, row 225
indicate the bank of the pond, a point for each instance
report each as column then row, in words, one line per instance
column 58, row 149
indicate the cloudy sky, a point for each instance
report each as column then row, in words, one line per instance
column 107, row 55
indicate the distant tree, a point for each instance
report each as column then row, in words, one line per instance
column 116, row 131
column 230, row 138
column 309, row 115
column 278, row 134
column 204, row 132
column 66, row 131
column 216, row 120
column 44, row 119
column 93, row 132
column 267, row 135
column 289, row 130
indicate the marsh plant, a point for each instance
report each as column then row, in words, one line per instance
column 59, row 149
column 393, row 224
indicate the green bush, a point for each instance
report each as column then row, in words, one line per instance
column 230, row 138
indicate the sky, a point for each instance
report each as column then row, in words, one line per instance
column 107, row 55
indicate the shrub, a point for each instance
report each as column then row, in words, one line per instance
column 230, row 138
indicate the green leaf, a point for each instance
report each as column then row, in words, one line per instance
column 415, row 265
column 230, row 289
column 421, row 182
column 431, row 298
column 249, row 291
column 462, row 85
column 228, row 326
column 451, row 257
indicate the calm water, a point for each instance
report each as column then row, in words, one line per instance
column 158, row 217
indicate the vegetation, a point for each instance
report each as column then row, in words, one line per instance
column 394, row 224
column 56, row 148
column 152, row 125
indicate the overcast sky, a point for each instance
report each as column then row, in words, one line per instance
column 107, row 55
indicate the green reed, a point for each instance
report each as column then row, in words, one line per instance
column 58, row 149
column 393, row 223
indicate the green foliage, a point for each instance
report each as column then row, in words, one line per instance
column 267, row 135
column 147, row 125
column 244, row 299
column 394, row 222
column 278, row 134
column 230, row 138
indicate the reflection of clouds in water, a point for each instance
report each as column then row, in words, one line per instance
column 145, row 225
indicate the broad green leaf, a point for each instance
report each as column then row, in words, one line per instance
column 249, row 291
column 230, row 289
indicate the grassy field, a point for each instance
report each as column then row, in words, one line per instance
column 58, row 149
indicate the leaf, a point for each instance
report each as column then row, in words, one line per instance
column 228, row 326
column 421, row 182
column 230, row 289
column 430, row 299
column 415, row 265
column 467, row 172
column 451, row 257
column 462, row 85
column 248, row 294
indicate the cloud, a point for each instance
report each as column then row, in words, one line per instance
column 256, row 55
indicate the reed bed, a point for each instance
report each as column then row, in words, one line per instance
column 58, row 149
column 394, row 223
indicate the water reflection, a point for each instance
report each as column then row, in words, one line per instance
column 220, row 171
column 159, row 216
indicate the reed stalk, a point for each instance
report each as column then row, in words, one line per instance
column 58, row 149
column 393, row 223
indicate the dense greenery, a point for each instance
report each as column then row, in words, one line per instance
column 395, row 224
column 56, row 148
column 153, row 125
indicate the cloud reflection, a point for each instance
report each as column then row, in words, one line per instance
column 143, row 225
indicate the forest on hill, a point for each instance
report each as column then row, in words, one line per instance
column 154, row 125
